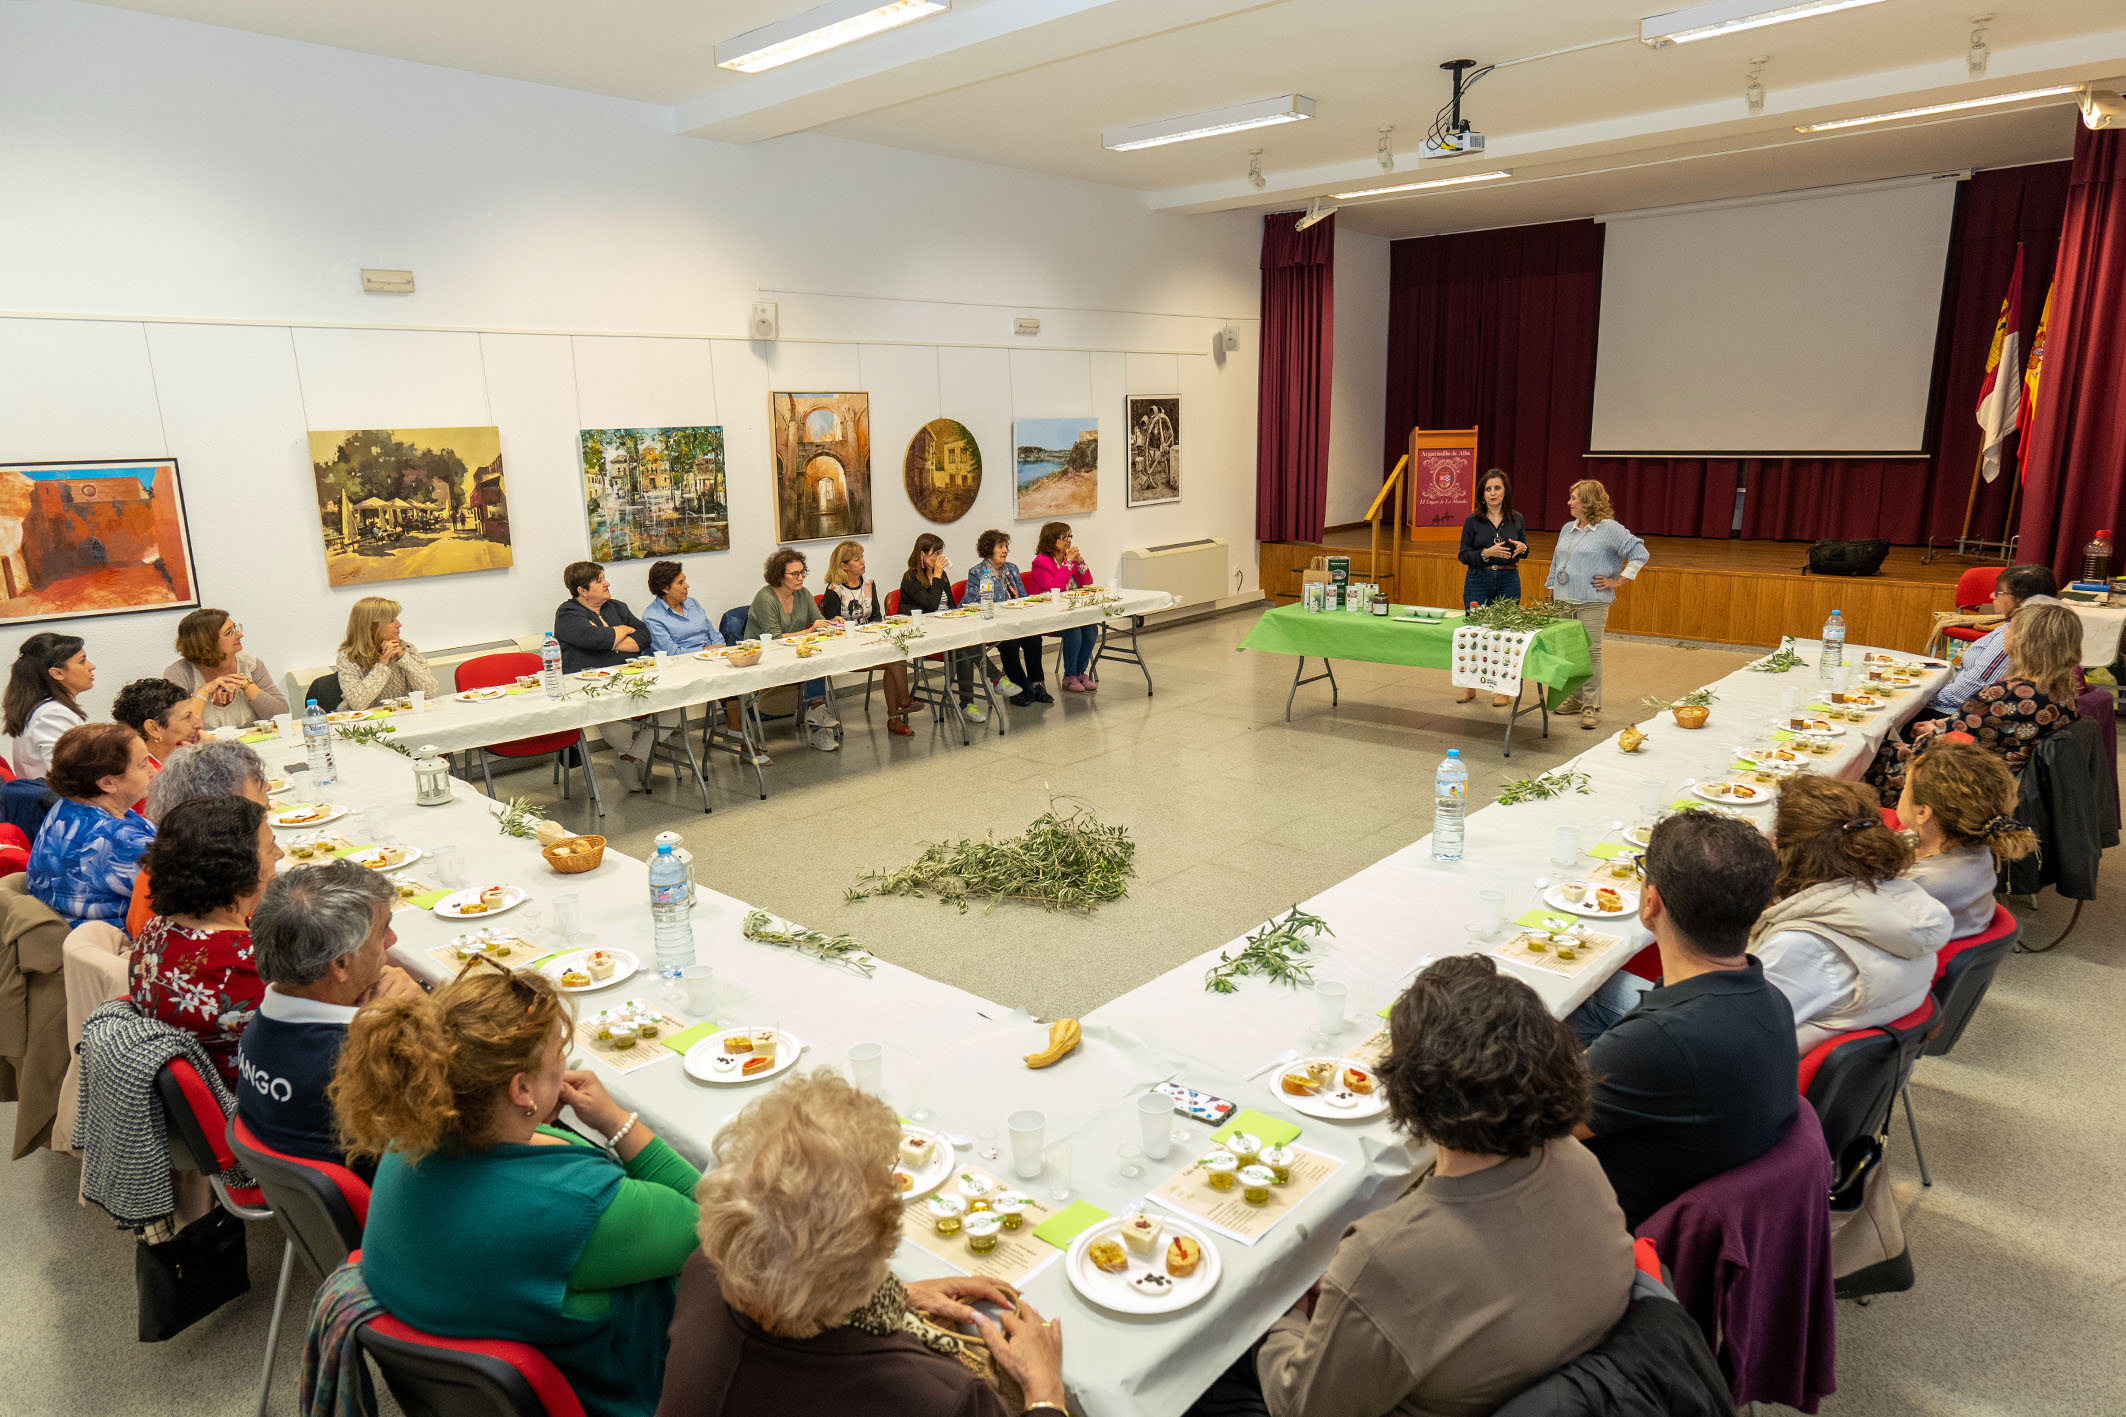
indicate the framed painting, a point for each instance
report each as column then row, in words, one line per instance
column 822, row 465
column 943, row 470
column 93, row 538
column 395, row 503
column 1154, row 450
column 654, row 492
column 1058, row 467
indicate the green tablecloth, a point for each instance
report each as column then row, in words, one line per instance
column 1557, row 659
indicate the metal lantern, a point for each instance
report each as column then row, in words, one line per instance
column 431, row 778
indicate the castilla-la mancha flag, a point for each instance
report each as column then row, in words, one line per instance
column 2027, row 416
column 2000, row 396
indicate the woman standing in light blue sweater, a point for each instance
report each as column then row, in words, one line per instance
column 1594, row 555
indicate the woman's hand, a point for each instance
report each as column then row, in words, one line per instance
column 391, row 651
column 1030, row 1348
column 222, row 688
column 251, row 690
column 590, row 1101
column 1607, row 582
column 1497, row 551
column 945, row 1298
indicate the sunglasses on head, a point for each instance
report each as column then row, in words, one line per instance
column 517, row 981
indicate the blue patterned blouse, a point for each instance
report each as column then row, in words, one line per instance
column 84, row 860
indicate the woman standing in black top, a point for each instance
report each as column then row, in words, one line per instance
column 927, row 586
column 1494, row 543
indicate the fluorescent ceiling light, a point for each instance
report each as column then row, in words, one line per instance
column 2055, row 91
column 1290, row 108
column 818, row 29
column 1732, row 17
column 1422, row 186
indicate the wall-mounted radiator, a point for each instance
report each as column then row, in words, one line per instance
column 1194, row 572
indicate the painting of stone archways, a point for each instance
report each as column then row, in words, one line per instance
column 822, row 465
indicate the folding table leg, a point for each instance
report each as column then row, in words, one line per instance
column 590, row 778
column 1328, row 672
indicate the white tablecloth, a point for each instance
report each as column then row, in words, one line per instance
column 2101, row 627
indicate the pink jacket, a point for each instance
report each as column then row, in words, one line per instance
column 1045, row 574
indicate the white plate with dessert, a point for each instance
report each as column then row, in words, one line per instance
column 1640, row 836
column 355, row 715
column 275, row 786
column 596, row 675
column 476, row 902
column 1592, row 899
column 1336, row 1089
column 306, row 814
column 1129, row 1263
column 751, row 1054
column 1770, row 757
column 386, row 858
column 1865, row 703
column 923, row 1164
column 1733, row 794
column 580, row 971
column 474, row 696
column 499, row 945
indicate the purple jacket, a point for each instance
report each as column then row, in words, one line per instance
column 1750, row 1250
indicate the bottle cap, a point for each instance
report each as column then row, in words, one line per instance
column 1454, row 752
column 664, row 848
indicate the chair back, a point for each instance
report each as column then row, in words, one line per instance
column 24, row 804
column 7, row 770
column 321, row 1207
column 93, row 964
column 893, row 607
column 326, row 690
column 193, row 1119
column 432, row 1376
column 1974, row 588
column 484, row 671
column 733, row 624
column 959, row 591
column 1851, row 1080
column 1963, row 971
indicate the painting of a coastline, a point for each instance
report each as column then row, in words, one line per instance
column 1058, row 467
column 400, row 502
column 654, row 492
column 92, row 538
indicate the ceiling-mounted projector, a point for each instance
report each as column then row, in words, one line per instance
column 1452, row 135
column 2102, row 108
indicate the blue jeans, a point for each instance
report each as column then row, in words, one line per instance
column 1618, row 996
column 1484, row 584
column 1078, row 649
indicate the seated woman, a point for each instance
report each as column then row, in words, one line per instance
column 552, row 1241
column 1847, row 938
column 678, row 625
column 213, row 768
column 236, row 687
column 192, row 967
column 165, row 716
column 1021, row 657
column 44, row 689
column 374, row 662
column 790, row 1292
column 852, row 597
column 88, row 851
column 2012, row 717
column 1958, row 809
column 784, row 607
column 1058, row 566
column 597, row 631
column 927, row 586
column 1509, row 1259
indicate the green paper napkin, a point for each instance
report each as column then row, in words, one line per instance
column 686, row 1038
column 428, row 902
column 1610, row 850
column 265, row 737
column 1785, row 735
column 542, row 959
column 1534, row 919
column 1385, row 1010
column 346, row 852
column 1068, row 1223
column 1273, row 1131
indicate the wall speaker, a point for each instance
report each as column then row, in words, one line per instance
column 765, row 323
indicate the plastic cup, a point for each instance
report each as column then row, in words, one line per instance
column 699, row 983
column 1649, row 801
column 1153, row 1108
column 567, row 917
column 284, row 725
column 1491, row 913
column 1329, row 999
column 1568, row 849
column 1025, row 1129
column 867, row 1065
column 418, row 698
column 446, row 859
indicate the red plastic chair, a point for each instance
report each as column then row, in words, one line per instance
column 433, row 1376
column 569, row 748
column 322, row 1206
column 1974, row 594
column 7, row 770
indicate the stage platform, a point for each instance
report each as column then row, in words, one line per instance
column 1728, row 592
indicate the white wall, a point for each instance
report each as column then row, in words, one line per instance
column 178, row 276
column 1359, row 376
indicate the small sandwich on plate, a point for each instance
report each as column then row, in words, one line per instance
column 494, row 898
column 739, row 1042
column 1108, row 1255
column 1358, row 1080
column 1306, row 1080
column 598, row 964
column 1608, row 900
column 755, row 1065
column 903, row 1183
column 1182, row 1256
column 575, row 979
column 1141, row 1231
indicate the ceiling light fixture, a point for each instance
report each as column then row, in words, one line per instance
column 818, row 29
column 1732, row 17
column 1975, row 61
column 1383, row 153
column 1753, row 92
column 1422, row 186
column 1255, row 177
column 1263, row 113
column 1316, row 213
column 2055, row 91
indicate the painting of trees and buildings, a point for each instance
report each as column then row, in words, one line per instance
column 394, row 503
column 943, row 470
column 654, row 492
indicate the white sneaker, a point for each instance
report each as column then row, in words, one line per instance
column 754, row 757
column 974, row 713
column 824, row 740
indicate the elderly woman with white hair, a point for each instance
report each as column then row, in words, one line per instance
column 213, row 768
column 789, row 1292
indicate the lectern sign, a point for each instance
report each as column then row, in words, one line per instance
column 1443, row 481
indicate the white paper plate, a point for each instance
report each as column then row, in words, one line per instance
column 712, row 652
column 475, row 696
column 624, row 967
column 1770, row 757
column 1745, row 794
column 372, row 857
column 1640, row 836
column 707, row 1060
column 1568, row 899
column 1849, row 704
column 1115, row 1292
column 1361, row 1105
column 449, row 906
column 275, row 786
column 932, row 1173
column 596, row 673
column 1821, row 725
column 332, row 813
column 353, row 715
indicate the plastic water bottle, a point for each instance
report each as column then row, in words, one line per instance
column 317, row 746
column 550, row 665
column 989, row 600
column 1450, row 796
column 2096, row 557
column 671, row 927
column 1832, row 657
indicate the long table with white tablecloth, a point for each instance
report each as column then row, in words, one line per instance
column 957, row 1056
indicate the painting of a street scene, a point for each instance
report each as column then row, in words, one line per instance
column 92, row 538
column 1154, row 451
column 943, row 470
column 401, row 502
column 1058, row 467
column 654, row 492
column 822, row 465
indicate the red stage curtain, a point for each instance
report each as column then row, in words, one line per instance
column 1994, row 211
column 2076, row 464
column 1497, row 329
column 1292, row 397
column 1670, row 496
column 1801, row 499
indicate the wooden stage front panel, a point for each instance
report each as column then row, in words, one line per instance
column 1728, row 592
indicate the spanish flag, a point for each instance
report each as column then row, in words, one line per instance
column 2000, row 396
column 2027, row 415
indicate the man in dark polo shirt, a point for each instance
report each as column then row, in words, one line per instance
column 1700, row 1076
column 319, row 938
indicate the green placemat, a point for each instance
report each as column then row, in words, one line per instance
column 1068, row 1223
column 686, row 1038
column 1274, row 1131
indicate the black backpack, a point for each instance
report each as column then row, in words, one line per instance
column 1847, row 558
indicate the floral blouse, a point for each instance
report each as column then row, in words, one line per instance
column 2009, row 718
column 202, row 982
column 84, row 861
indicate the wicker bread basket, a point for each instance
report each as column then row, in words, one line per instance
column 584, row 854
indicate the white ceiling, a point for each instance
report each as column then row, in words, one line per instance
column 1031, row 84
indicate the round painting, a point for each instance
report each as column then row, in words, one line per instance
column 943, row 470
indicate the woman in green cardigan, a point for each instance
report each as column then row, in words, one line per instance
column 485, row 1221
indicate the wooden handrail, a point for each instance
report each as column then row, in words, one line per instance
column 1373, row 512
column 1394, row 482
